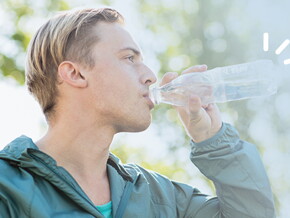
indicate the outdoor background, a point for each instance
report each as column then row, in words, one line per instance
column 173, row 35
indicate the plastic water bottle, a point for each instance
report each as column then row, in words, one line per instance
column 219, row 85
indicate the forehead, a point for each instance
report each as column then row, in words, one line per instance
column 114, row 36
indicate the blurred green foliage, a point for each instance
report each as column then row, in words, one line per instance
column 17, row 11
column 190, row 32
column 193, row 33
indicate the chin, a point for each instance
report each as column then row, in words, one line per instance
column 139, row 126
column 145, row 124
column 143, row 127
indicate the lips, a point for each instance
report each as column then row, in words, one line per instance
column 148, row 101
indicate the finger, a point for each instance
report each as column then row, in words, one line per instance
column 191, row 112
column 211, row 108
column 168, row 77
column 197, row 68
column 194, row 106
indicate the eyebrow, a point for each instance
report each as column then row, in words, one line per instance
column 135, row 51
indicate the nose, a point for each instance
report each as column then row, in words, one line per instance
column 148, row 76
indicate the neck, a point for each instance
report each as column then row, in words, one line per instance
column 83, row 151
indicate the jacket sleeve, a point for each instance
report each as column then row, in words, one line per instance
column 234, row 166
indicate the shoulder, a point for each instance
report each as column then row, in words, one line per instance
column 149, row 175
column 16, row 189
column 159, row 184
column 153, row 177
column 157, row 187
column 133, row 170
column 14, row 178
column 162, row 189
column 7, row 169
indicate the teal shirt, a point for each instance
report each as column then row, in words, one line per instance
column 106, row 209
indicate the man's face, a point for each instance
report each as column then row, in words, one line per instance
column 118, row 84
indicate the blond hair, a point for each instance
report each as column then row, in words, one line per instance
column 67, row 36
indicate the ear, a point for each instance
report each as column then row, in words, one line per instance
column 70, row 74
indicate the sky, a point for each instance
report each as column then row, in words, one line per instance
column 20, row 114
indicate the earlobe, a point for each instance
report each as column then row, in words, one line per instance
column 70, row 74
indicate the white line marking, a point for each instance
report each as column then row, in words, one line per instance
column 287, row 61
column 266, row 41
column 282, row 46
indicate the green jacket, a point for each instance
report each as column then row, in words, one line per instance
column 32, row 185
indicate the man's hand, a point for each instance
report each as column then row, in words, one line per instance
column 200, row 121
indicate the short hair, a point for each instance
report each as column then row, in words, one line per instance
column 67, row 36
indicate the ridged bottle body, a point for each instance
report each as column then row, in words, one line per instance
column 219, row 85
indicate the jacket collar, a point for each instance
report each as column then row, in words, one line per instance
column 22, row 152
column 19, row 152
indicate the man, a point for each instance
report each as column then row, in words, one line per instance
column 88, row 76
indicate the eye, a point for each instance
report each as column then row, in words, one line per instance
column 131, row 58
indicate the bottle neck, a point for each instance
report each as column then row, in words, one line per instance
column 155, row 95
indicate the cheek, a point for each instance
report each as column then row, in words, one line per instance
column 125, row 85
column 125, row 94
column 117, row 94
column 116, row 84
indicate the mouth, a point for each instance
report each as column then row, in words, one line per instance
column 148, row 101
